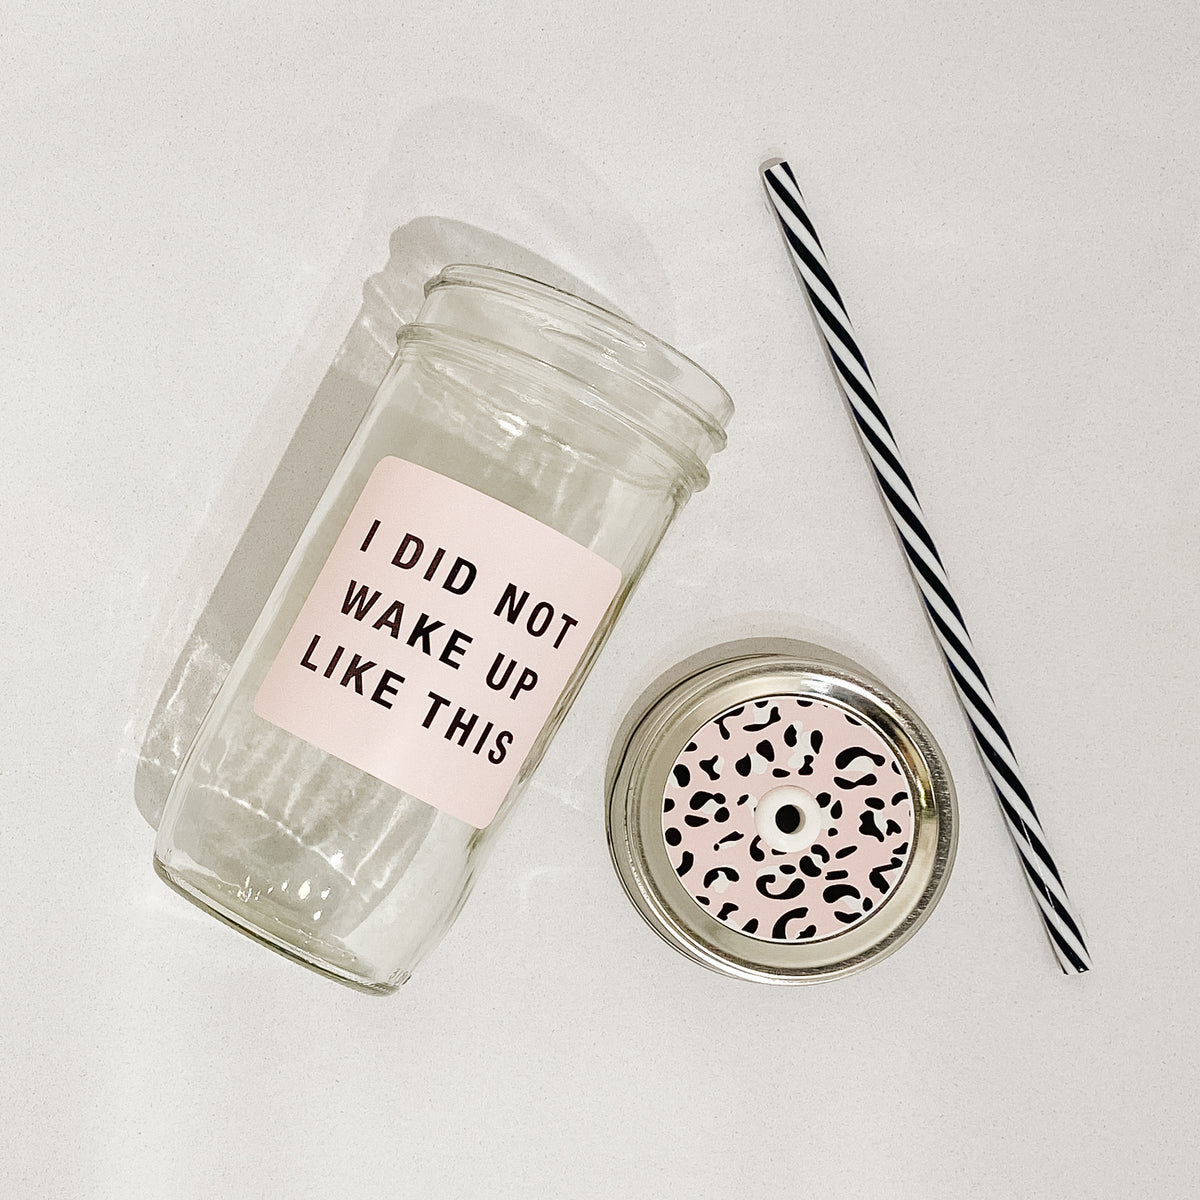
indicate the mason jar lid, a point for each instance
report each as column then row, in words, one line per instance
column 776, row 814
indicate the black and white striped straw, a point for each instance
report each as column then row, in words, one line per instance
column 902, row 505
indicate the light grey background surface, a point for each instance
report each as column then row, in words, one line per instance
column 192, row 199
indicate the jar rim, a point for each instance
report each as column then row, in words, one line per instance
column 696, row 392
column 476, row 351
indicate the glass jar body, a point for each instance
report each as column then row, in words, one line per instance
column 322, row 859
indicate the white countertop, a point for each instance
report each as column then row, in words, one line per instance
column 192, row 202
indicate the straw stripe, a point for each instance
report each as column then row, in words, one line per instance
column 925, row 565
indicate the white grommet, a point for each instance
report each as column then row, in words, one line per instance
column 785, row 830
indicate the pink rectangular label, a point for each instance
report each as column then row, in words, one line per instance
column 437, row 638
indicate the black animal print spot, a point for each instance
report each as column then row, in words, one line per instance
column 866, row 824
column 763, row 885
column 720, row 721
column 712, row 876
column 845, row 757
column 771, row 719
column 865, row 781
column 673, row 837
column 709, row 767
column 682, row 775
column 879, row 880
column 685, row 864
column 779, row 929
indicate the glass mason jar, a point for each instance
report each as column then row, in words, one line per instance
column 503, row 494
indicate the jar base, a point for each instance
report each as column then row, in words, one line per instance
column 220, row 901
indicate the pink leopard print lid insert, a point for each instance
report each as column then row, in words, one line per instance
column 787, row 818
